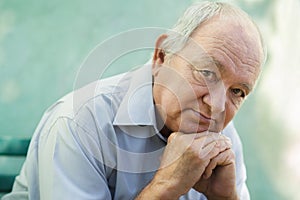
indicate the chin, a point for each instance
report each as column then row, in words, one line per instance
column 190, row 127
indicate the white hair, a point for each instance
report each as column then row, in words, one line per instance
column 194, row 16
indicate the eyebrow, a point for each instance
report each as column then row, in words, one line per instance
column 218, row 64
column 247, row 86
column 209, row 60
column 220, row 67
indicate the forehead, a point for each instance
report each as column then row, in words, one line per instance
column 238, row 36
column 229, row 44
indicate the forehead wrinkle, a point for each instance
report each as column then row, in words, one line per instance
column 208, row 60
column 240, row 62
column 229, row 42
column 248, row 61
column 215, row 43
column 218, row 64
column 250, row 68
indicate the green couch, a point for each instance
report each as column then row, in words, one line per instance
column 12, row 156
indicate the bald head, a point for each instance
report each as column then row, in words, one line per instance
column 236, row 33
column 232, row 19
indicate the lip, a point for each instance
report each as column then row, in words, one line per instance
column 202, row 117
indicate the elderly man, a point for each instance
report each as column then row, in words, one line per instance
column 163, row 131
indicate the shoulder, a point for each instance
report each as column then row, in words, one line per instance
column 85, row 107
column 99, row 96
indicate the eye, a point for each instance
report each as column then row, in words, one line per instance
column 238, row 92
column 208, row 75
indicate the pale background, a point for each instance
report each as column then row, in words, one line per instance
column 43, row 43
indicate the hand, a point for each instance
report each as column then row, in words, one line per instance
column 185, row 159
column 218, row 180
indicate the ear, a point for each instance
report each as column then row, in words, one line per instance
column 159, row 54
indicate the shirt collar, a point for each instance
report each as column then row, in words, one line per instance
column 137, row 106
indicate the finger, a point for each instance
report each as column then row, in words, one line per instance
column 224, row 144
column 182, row 136
column 206, row 139
column 202, row 143
column 202, row 139
column 177, row 145
column 222, row 159
column 212, row 150
column 208, row 151
column 173, row 136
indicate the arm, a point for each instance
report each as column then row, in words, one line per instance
column 183, row 163
column 66, row 170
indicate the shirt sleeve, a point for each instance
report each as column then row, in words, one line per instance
column 67, row 169
column 241, row 175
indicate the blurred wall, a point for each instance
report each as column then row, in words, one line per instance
column 43, row 44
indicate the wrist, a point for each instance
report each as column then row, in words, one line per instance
column 165, row 189
column 159, row 189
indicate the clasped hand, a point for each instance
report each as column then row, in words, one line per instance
column 203, row 161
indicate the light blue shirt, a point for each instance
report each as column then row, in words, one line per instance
column 101, row 142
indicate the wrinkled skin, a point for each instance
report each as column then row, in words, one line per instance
column 228, row 54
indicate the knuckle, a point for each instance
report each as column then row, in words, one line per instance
column 203, row 156
column 218, row 136
column 231, row 154
column 173, row 136
column 203, row 161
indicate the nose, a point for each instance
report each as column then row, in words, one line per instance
column 216, row 98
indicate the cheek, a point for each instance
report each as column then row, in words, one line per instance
column 174, row 105
column 181, row 94
column 175, row 93
column 230, row 111
column 166, row 100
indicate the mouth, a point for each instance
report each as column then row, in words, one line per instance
column 203, row 118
